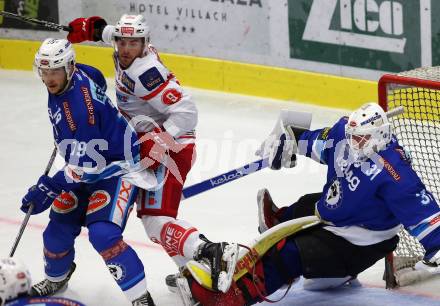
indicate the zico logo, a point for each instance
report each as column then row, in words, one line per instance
column 368, row 24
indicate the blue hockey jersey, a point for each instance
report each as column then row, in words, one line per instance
column 376, row 195
column 90, row 133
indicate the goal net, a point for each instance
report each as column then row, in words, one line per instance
column 418, row 131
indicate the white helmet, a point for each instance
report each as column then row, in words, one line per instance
column 132, row 26
column 368, row 130
column 15, row 279
column 55, row 53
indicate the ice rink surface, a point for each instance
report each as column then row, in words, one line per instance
column 230, row 128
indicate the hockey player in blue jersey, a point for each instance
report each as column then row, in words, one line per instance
column 371, row 191
column 97, row 186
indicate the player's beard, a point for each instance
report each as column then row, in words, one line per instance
column 125, row 60
column 57, row 88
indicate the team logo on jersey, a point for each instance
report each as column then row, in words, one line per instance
column 98, row 200
column 89, row 105
column 151, row 78
column 394, row 174
column 117, row 271
column 334, row 195
column 69, row 116
column 129, row 83
column 171, row 96
column 65, row 202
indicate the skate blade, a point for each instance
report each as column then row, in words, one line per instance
column 184, row 292
column 230, row 257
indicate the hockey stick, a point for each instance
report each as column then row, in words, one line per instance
column 46, row 24
column 31, row 206
column 232, row 175
column 224, row 178
column 395, row 112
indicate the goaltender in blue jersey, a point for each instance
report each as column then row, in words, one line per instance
column 99, row 182
column 370, row 192
column 367, row 194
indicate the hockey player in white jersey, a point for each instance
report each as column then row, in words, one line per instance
column 165, row 116
column 370, row 193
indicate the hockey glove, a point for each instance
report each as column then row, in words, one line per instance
column 86, row 29
column 155, row 147
column 280, row 149
column 41, row 195
column 281, row 146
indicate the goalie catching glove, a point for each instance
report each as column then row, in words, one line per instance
column 281, row 146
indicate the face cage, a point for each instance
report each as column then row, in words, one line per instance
column 372, row 144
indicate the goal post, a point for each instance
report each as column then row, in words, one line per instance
column 418, row 132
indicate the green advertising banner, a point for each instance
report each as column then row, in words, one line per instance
column 374, row 34
column 39, row 9
column 435, row 32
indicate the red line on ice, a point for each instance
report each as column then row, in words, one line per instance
column 41, row 227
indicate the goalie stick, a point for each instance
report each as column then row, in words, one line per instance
column 31, row 207
column 253, row 167
column 43, row 23
column 223, row 178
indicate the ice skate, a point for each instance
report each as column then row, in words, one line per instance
column 144, row 300
column 267, row 211
column 221, row 259
column 47, row 287
column 170, row 281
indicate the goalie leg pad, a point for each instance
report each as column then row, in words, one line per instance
column 248, row 290
column 249, row 256
column 282, row 265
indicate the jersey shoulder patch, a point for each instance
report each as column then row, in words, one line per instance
column 127, row 81
column 151, row 79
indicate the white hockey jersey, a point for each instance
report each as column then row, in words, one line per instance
column 149, row 95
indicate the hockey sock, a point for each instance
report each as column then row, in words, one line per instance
column 179, row 239
column 57, row 265
column 121, row 260
column 59, row 253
